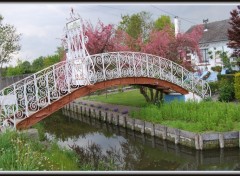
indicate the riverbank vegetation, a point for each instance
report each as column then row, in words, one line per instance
column 20, row 153
column 191, row 116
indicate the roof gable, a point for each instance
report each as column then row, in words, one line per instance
column 217, row 31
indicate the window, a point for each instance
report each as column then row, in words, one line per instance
column 205, row 56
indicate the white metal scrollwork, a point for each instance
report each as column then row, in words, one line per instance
column 50, row 84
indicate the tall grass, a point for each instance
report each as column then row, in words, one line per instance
column 193, row 116
column 19, row 153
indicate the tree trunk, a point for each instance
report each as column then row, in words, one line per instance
column 154, row 97
column 143, row 91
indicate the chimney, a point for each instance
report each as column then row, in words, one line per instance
column 176, row 25
column 205, row 21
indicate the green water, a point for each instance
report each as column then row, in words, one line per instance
column 134, row 151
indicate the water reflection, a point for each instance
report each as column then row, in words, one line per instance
column 133, row 150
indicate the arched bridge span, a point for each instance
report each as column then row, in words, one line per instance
column 42, row 93
column 85, row 90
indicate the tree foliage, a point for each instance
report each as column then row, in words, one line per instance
column 163, row 43
column 136, row 24
column 25, row 67
column 8, row 42
column 234, row 32
column 162, row 22
column 138, row 27
column 99, row 37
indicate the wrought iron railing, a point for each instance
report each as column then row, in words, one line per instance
column 27, row 96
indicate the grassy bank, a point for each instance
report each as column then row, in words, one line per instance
column 128, row 98
column 193, row 116
column 19, row 153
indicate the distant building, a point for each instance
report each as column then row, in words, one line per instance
column 215, row 38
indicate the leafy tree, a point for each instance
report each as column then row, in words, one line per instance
column 225, row 59
column 38, row 64
column 60, row 52
column 162, row 22
column 8, row 42
column 99, row 37
column 159, row 42
column 50, row 60
column 132, row 25
column 17, row 70
column 13, row 71
column 234, row 31
column 137, row 26
column 25, row 67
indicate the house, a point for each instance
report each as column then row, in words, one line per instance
column 213, row 41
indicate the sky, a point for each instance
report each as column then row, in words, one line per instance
column 42, row 24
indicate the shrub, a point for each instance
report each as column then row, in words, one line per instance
column 229, row 77
column 226, row 91
column 217, row 69
column 214, row 87
column 237, row 85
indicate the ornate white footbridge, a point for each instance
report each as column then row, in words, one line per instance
column 32, row 99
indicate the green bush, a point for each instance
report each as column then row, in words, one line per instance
column 217, row 69
column 214, row 87
column 229, row 77
column 226, row 91
column 237, row 85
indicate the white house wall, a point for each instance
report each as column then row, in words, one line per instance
column 216, row 61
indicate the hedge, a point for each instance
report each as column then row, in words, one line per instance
column 229, row 77
column 237, row 85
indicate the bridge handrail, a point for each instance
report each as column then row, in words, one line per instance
column 29, row 93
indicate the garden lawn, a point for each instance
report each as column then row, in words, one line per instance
column 128, row 98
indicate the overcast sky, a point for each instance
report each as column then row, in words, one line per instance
column 41, row 24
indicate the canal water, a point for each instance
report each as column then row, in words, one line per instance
column 131, row 150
